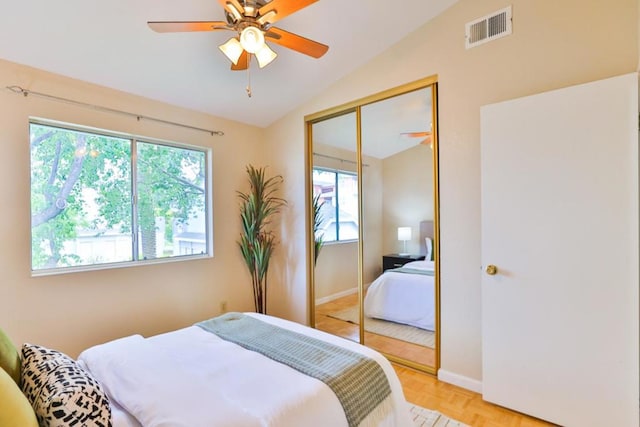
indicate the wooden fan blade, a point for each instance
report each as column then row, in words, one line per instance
column 282, row 8
column 184, row 26
column 426, row 141
column 416, row 134
column 243, row 62
column 296, row 42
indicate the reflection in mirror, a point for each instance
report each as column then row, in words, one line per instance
column 335, row 192
column 397, row 220
column 372, row 168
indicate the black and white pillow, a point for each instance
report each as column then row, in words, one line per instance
column 61, row 392
column 37, row 361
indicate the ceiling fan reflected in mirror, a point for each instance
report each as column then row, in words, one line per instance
column 252, row 21
column 425, row 135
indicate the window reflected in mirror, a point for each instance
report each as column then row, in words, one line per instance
column 336, row 193
column 335, row 190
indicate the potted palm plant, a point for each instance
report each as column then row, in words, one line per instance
column 317, row 222
column 257, row 241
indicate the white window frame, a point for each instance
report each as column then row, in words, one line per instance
column 208, row 153
column 338, row 172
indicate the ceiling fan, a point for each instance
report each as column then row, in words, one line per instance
column 252, row 20
column 426, row 135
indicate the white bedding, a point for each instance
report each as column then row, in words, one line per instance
column 192, row 378
column 403, row 297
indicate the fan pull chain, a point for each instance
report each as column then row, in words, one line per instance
column 248, row 88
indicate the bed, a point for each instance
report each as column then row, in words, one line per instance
column 406, row 295
column 239, row 369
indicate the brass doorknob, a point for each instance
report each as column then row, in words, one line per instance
column 491, row 270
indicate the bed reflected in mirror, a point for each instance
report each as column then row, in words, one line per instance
column 399, row 279
column 373, row 174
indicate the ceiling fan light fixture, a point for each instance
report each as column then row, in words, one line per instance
column 267, row 17
column 232, row 49
column 235, row 12
column 265, row 56
column 252, row 39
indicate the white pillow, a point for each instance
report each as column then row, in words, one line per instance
column 429, row 244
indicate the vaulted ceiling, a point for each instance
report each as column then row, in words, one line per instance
column 110, row 44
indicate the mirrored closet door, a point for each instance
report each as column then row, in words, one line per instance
column 335, row 212
column 373, row 215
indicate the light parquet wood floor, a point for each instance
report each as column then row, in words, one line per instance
column 463, row 405
column 423, row 389
column 416, row 353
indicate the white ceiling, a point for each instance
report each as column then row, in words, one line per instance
column 383, row 125
column 109, row 43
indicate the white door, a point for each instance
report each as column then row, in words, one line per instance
column 560, row 223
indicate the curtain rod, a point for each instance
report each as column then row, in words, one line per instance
column 338, row 159
column 26, row 92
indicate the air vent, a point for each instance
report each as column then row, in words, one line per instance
column 487, row 28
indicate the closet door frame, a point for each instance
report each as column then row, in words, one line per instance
column 355, row 106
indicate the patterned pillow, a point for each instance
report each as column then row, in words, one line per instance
column 60, row 391
column 40, row 360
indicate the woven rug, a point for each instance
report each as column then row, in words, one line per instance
column 423, row 417
column 390, row 329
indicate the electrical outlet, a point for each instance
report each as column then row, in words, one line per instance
column 223, row 307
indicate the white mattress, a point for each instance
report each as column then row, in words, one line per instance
column 403, row 297
column 192, row 378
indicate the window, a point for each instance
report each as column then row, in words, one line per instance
column 99, row 199
column 338, row 196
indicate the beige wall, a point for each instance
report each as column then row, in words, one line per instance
column 554, row 44
column 408, row 196
column 337, row 268
column 372, row 218
column 73, row 311
column 336, row 271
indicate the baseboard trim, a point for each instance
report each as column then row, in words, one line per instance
column 460, row 381
column 336, row 296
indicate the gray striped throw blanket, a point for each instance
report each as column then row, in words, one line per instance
column 410, row 270
column 359, row 382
